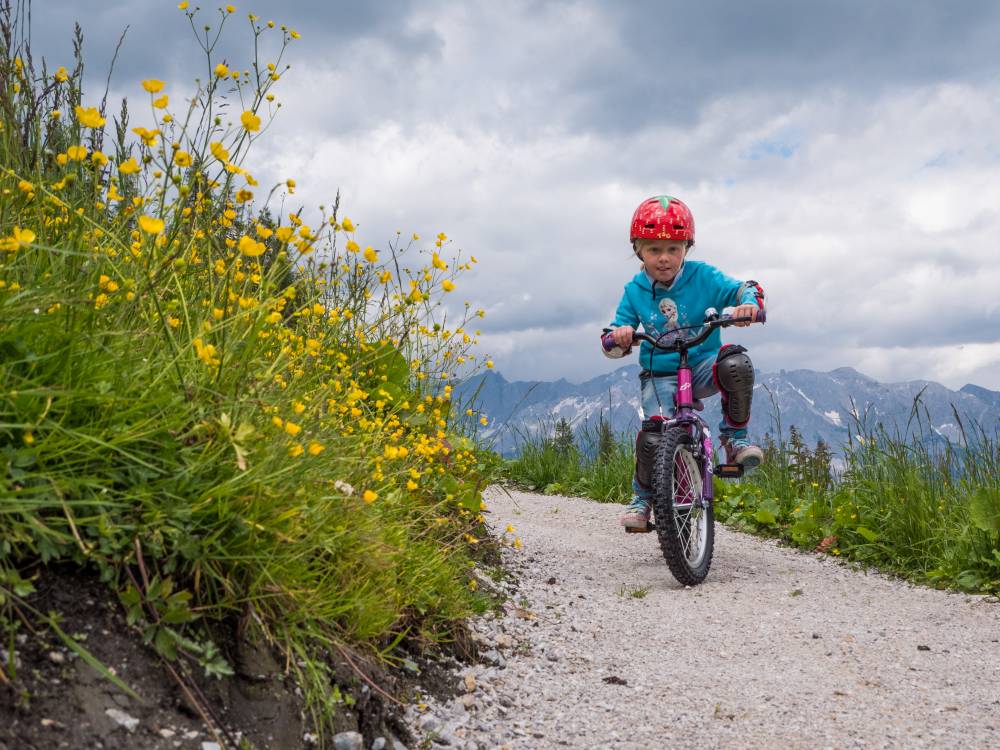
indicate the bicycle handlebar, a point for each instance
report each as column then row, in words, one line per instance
column 712, row 321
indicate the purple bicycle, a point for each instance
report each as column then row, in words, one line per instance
column 683, row 462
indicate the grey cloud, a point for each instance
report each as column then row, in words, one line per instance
column 678, row 56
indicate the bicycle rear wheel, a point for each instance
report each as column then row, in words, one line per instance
column 685, row 522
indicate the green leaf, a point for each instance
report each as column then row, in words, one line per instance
column 984, row 509
column 165, row 643
column 764, row 516
column 867, row 533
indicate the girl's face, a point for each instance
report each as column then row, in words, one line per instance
column 662, row 259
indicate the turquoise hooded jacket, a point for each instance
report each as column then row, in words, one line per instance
column 660, row 309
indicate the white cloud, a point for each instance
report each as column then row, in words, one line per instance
column 869, row 216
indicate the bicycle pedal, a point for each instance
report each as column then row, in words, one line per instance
column 729, row 471
column 632, row 530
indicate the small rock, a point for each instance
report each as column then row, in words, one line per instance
column 52, row 723
column 348, row 741
column 922, row 647
column 210, row 746
column 816, row 635
column 504, row 641
column 166, row 733
column 429, row 722
column 123, row 719
column 193, row 734
column 379, row 743
column 469, row 681
column 396, row 744
column 468, row 700
column 411, row 666
column 552, row 581
column 57, row 657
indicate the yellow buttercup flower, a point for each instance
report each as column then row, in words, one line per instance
column 292, row 429
column 161, row 102
column 150, row 224
column 316, row 448
column 61, row 75
column 152, row 85
column 347, row 224
column 148, row 136
column 89, row 117
column 447, row 285
column 77, row 153
column 182, row 159
column 17, row 238
column 183, row 5
column 370, row 255
column 295, row 450
column 221, row 70
column 218, row 151
column 129, row 166
column 284, row 233
column 369, row 496
column 251, row 122
column 251, row 247
column 99, row 159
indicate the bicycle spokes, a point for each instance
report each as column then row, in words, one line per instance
column 688, row 511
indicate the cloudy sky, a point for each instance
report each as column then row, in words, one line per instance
column 845, row 154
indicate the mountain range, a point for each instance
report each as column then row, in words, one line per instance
column 821, row 406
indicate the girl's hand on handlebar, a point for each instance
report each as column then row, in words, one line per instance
column 745, row 311
column 623, row 336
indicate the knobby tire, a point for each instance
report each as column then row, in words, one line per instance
column 677, row 472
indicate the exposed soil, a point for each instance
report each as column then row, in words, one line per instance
column 59, row 701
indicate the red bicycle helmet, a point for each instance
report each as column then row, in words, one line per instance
column 662, row 218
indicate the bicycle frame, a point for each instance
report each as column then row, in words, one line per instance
column 685, row 416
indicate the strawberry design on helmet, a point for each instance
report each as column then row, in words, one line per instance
column 662, row 217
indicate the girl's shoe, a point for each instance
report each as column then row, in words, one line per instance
column 636, row 514
column 739, row 450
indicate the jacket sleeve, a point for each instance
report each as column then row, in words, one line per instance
column 733, row 292
column 626, row 314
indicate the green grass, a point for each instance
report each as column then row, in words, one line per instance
column 546, row 464
column 904, row 502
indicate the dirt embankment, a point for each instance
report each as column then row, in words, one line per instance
column 59, row 701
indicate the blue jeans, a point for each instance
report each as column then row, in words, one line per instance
column 665, row 386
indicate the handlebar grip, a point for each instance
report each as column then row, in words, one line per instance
column 611, row 348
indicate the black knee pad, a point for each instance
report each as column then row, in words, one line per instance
column 733, row 373
column 646, row 443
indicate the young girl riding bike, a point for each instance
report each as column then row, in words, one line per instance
column 671, row 292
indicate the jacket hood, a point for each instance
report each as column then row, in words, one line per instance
column 648, row 284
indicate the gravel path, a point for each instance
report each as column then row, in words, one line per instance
column 601, row 647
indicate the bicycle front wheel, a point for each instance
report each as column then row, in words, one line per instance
column 685, row 522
